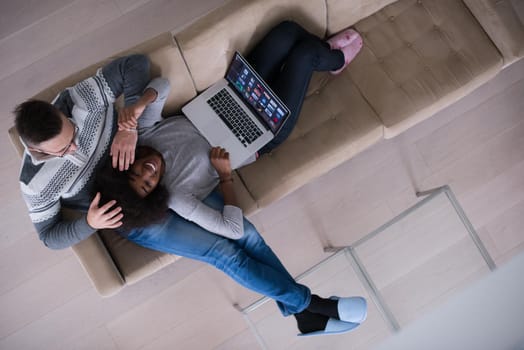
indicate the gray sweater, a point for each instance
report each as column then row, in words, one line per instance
column 189, row 175
column 50, row 183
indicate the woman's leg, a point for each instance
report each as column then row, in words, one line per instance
column 270, row 53
column 286, row 58
column 181, row 237
column 252, row 242
column 291, row 84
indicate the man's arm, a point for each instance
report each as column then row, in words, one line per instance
column 128, row 76
column 57, row 233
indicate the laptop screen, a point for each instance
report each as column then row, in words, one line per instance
column 256, row 93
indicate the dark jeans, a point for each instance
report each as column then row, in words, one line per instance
column 286, row 59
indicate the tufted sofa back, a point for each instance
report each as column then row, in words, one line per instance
column 344, row 13
column 209, row 44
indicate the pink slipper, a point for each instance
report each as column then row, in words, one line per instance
column 344, row 38
column 350, row 52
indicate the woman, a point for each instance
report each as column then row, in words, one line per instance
column 179, row 157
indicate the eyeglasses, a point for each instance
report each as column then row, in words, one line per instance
column 64, row 150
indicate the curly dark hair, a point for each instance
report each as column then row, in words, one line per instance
column 138, row 212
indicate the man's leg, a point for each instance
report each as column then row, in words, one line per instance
column 181, row 237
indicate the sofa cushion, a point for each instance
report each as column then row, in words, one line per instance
column 166, row 61
column 419, row 57
column 209, row 44
column 335, row 124
column 133, row 261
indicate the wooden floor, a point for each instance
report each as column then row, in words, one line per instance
column 476, row 146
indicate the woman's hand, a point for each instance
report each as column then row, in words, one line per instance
column 128, row 116
column 220, row 161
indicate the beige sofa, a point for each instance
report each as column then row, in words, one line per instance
column 418, row 57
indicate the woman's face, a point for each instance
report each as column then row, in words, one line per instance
column 146, row 171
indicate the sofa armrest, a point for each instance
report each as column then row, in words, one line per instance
column 96, row 261
column 91, row 252
column 500, row 21
column 245, row 199
column 15, row 140
column 99, row 266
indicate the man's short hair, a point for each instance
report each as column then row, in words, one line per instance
column 37, row 121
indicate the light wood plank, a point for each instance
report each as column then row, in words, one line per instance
column 431, row 283
column 130, row 5
column 241, row 341
column 17, row 15
column 53, row 32
column 171, row 310
column 35, row 298
column 483, row 165
column 495, row 197
column 25, row 260
column 458, row 139
column 98, row 339
column 85, row 313
column 506, row 232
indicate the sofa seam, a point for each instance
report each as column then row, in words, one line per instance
column 326, row 18
column 185, row 62
column 477, row 20
column 247, row 188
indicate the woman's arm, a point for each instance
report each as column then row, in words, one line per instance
column 220, row 161
column 230, row 221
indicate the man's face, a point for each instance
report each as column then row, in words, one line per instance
column 146, row 171
column 61, row 144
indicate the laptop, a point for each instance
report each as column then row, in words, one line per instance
column 239, row 112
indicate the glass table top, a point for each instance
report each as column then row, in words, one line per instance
column 404, row 268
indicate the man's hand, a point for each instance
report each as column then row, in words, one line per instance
column 220, row 161
column 104, row 217
column 123, row 149
column 128, row 116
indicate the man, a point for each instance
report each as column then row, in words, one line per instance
column 67, row 140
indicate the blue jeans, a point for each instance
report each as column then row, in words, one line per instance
column 249, row 260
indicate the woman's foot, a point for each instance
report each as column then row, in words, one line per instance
column 322, row 306
column 344, row 38
column 308, row 322
column 348, row 309
column 312, row 324
column 350, row 51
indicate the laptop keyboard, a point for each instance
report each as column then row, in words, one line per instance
column 234, row 116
